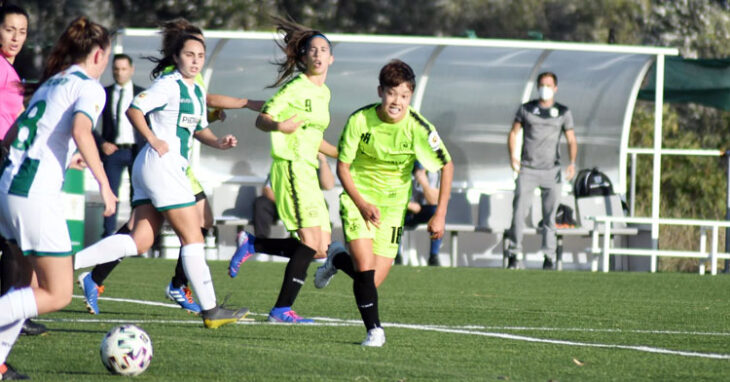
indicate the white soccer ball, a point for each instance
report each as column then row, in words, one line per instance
column 126, row 350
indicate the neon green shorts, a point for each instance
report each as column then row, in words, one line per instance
column 197, row 187
column 386, row 239
column 298, row 197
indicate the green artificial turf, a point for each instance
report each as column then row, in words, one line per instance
column 440, row 323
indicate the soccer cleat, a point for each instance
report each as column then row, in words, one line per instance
column 547, row 264
column 286, row 315
column 31, row 328
column 7, row 373
column 219, row 316
column 514, row 260
column 245, row 250
column 326, row 271
column 91, row 292
column 183, row 296
column 375, row 338
column 433, row 260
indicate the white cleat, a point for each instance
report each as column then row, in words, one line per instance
column 375, row 338
column 325, row 272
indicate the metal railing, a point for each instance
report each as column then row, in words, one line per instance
column 713, row 255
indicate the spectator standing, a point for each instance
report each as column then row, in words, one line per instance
column 543, row 121
column 118, row 141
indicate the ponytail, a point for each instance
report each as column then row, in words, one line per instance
column 172, row 31
column 296, row 43
column 173, row 50
column 74, row 45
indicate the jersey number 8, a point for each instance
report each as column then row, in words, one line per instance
column 28, row 125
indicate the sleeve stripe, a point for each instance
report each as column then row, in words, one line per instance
column 440, row 152
column 88, row 116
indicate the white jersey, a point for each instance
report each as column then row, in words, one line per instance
column 43, row 147
column 177, row 110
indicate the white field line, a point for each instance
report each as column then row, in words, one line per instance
column 469, row 330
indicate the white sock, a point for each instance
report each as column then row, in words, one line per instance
column 18, row 304
column 196, row 269
column 8, row 334
column 105, row 250
column 15, row 307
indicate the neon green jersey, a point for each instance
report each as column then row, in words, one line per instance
column 310, row 103
column 381, row 154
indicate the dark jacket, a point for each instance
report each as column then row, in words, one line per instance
column 108, row 127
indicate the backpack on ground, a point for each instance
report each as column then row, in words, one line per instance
column 592, row 182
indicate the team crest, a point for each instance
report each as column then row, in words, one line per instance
column 554, row 112
column 142, row 95
column 434, row 140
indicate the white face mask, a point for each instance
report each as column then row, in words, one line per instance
column 546, row 93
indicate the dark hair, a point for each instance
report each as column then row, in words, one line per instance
column 172, row 31
column 74, row 45
column 168, row 60
column 11, row 9
column 296, row 43
column 547, row 74
column 122, row 56
column 395, row 73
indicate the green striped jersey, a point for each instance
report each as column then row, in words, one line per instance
column 176, row 110
column 41, row 152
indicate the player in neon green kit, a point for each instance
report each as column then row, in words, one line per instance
column 377, row 151
column 297, row 116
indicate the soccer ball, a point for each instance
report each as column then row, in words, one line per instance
column 126, row 350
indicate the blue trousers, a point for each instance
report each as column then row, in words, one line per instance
column 113, row 166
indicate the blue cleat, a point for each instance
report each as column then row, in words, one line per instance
column 91, row 292
column 245, row 250
column 286, row 315
column 183, row 296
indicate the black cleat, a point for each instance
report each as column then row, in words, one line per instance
column 7, row 373
column 31, row 328
column 398, row 259
column 433, row 260
column 512, row 262
column 547, row 264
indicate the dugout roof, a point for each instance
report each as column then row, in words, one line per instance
column 469, row 89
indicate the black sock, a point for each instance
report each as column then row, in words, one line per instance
column 366, row 297
column 294, row 275
column 278, row 247
column 102, row 271
column 8, row 268
column 343, row 262
column 180, row 280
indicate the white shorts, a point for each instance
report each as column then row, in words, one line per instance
column 37, row 224
column 161, row 180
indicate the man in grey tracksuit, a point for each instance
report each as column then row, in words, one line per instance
column 543, row 121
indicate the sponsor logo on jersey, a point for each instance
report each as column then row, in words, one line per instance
column 188, row 121
column 365, row 137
